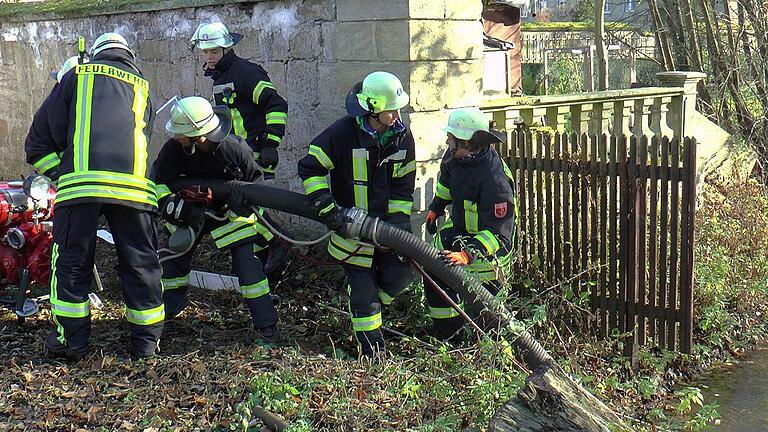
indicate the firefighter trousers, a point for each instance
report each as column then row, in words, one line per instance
column 254, row 285
column 369, row 289
column 74, row 244
column 446, row 321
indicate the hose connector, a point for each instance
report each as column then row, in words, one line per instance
column 355, row 218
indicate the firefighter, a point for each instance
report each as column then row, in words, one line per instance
column 259, row 113
column 100, row 118
column 480, row 231
column 369, row 155
column 40, row 135
column 203, row 147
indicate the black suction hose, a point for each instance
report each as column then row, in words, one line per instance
column 373, row 229
column 469, row 288
column 256, row 194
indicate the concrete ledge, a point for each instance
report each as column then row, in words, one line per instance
column 62, row 9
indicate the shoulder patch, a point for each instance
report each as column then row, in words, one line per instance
column 500, row 210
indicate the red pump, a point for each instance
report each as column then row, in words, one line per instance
column 26, row 210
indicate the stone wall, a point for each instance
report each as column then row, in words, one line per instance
column 314, row 51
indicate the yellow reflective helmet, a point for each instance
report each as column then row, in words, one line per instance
column 109, row 41
column 213, row 35
column 65, row 67
column 382, row 91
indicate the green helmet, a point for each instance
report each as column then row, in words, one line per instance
column 194, row 116
column 382, row 91
column 65, row 67
column 109, row 41
column 213, row 35
column 464, row 122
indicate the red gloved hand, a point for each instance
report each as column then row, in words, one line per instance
column 432, row 222
column 199, row 195
column 456, row 258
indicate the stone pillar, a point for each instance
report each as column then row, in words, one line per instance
column 681, row 109
column 435, row 48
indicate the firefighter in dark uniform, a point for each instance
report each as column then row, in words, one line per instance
column 40, row 136
column 480, row 230
column 98, row 153
column 203, row 147
column 259, row 113
column 369, row 155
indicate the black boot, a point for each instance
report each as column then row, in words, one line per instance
column 371, row 343
column 175, row 301
column 53, row 348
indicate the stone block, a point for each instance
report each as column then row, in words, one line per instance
column 464, row 83
column 153, row 49
column 322, row 117
column 355, row 41
column 463, row 9
column 328, row 41
column 427, row 9
column 367, row 10
column 427, row 83
column 302, row 93
column 392, row 40
column 428, row 134
column 297, row 135
column 426, row 178
column 316, row 10
column 276, row 46
column 250, row 47
column 441, row 40
column 278, row 75
column 330, row 92
column 305, row 44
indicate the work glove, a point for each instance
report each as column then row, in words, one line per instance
column 200, row 195
column 432, row 222
column 331, row 215
column 238, row 204
column 268, row 157
column 180, row 212
column 460, row 258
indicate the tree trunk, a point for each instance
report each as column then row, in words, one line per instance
column 602, row 52
column 550, row 401
column 662, row 38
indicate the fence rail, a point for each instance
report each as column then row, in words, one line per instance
column 616, row 215
column 535, row 43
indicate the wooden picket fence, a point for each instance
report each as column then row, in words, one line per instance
column 614, row 216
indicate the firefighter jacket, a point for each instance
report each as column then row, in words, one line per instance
column 259, row 113
column 228, row 160
column 368, row 170
column 100, row 120
column 40, row 147
column 481, row 192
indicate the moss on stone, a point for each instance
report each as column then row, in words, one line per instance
column 56, row 9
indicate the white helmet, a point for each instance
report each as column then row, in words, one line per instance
column 109, row 41
column 213, row 35
column 66, row 66
column 194, row 116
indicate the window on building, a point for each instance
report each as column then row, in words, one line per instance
column 630, row 5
